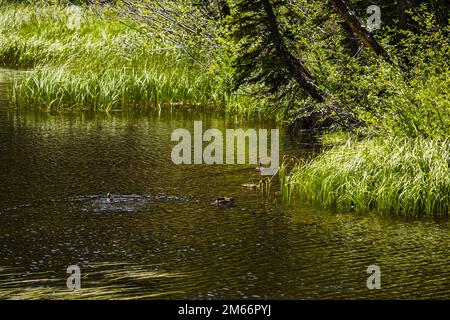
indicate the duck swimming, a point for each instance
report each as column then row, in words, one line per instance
column 109, row 198
column 251, row 185
column 224, row 201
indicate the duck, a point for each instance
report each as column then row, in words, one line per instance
column 251, row 185
column 224, row 201
column 109, row 198
column 259, row 169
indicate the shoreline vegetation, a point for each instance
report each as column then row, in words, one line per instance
column 101, row 65
column 381, row 100
column 400, row 176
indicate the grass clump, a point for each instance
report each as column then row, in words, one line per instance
column 107, row 85
column 402, row 176
column 335, row 137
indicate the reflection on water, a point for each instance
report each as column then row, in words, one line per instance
column 163, row 238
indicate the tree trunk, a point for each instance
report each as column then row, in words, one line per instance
column 402, row 23
column 402, row 6
column 303, row 77
column 363, row 34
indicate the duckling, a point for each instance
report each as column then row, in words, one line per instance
column 109, row 198
column 224, row 201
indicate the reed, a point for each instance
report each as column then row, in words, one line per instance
column 399, row 176
column 97, row 87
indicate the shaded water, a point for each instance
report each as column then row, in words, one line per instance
column 163, row 238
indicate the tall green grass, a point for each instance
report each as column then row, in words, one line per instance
column 107, row 85
column 102, row 65
column 38, row 34
column 402, row 176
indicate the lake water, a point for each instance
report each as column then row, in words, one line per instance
column 164, row 238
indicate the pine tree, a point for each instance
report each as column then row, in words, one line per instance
column 264, row 53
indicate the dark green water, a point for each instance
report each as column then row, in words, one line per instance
column 165, row 239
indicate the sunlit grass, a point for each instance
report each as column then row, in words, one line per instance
column 400, row 176
column 112, row 86
column 103, row 65
column 332, row 138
